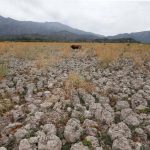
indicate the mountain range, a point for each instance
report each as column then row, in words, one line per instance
column 11, row 29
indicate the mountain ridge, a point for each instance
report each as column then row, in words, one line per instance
column 11, row 28
column 142, row 36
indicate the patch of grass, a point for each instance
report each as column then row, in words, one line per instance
column 81, row 99
column 132, row 128
column 106, row 53
column 67, row 146
column 42, row 61
column 145, row 110
column 5, row 105
column 106, row 148
column 87, row 143
column 75, row 81
column 3, row 70
column 144, row 147
column 113, row 100
column 10, row 144
column 105, row 138
column 135, row 137
column 117, row 119
column 31, row 133
column 81, row 118
column 96, row 98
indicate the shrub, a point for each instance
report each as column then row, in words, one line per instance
column 3, row 70
column 67, row 146
column 5, row 105
column 145, row 110
column 87, row 143
column 74, row 81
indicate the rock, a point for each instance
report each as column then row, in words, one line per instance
column 79, row 146
column 25, row 145
column 11, row 127
column 140, row 132
column 132, row 120
column 49, row 129
column 75, row 99
column 137, row 145
column 58, row 106
column 91, row 131
column 18, row 114
column 80, row 108
column 105, row 115
column 90, row 127
column 121, row 144
column 122, row 105
column 99, row 148
column 76, row 114
column 104, row 100
column 146, row 88
column 125, row 113
column 89, row 123
column 137, row 100
column 147, row 128
column 30, row 89
column 87, row 99
column 69, row 109
column 33, row 140
column 53, row 98
column 39, row 85
column 47, row 94
column 94, row 107
column 39, row 116
column 32, row 108
column 46, row 105
column 16, row 99
column 50, row 84
column 20, row 134
column 29, row 99
column 87, row 114
column 42, row 140
column 129, row 117
column 119, row 130
column 54, row 143
column 73, row 130
column 39, row 94
column 3, row 148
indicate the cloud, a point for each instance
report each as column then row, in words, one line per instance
column 106, row 17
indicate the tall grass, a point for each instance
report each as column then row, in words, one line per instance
column 5, row 105
column 46, row 52
column 75, row 81
column 3, row 70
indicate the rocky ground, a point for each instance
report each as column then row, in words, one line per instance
column 114, row 115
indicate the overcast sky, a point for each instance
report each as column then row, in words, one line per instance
column 107, row 17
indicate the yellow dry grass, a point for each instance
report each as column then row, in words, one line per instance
column 3, row 70
column 5, row 105
column 75, row 81
column 48, row 53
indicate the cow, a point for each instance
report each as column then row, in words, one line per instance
column 76, row 46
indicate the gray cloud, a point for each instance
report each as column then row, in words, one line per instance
column 106, row 17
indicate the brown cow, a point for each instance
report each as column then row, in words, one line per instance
column 76, row 46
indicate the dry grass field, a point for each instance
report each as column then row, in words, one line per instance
column 45, row 53
column 104, row 51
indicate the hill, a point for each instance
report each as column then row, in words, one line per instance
column 143, row 37
column 14, row 30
